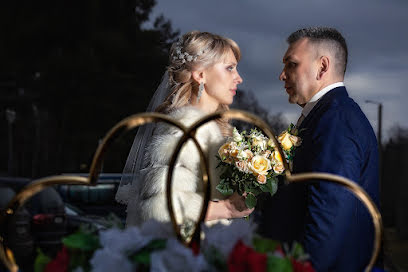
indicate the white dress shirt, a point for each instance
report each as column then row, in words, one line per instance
column 313, row 101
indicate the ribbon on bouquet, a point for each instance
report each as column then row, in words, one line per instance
column 134, row 121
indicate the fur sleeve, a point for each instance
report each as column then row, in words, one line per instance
column 187, row 177
column 152, row 204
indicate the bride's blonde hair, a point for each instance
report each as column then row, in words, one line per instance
column 195, row 50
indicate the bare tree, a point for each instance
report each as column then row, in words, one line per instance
column 398, row 134
column 246, row 100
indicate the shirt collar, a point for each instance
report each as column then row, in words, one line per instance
column 313, row 101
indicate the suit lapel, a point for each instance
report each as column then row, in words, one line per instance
column 324, row 101
column 308, row 125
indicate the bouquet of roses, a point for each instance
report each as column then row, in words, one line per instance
column 251, row 163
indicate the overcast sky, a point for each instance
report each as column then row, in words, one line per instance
column 376, row 32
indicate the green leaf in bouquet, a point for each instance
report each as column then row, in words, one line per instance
column 143, row 256
column 250, row 201
column 265, row 188
column 264, row 245
column 280, row 264
column 82, row 240
column 253, row 190
column 271, row 185
column 224, row 189
column 241, row 188
column 41, row 261
column 292, row 129
column 256, row 191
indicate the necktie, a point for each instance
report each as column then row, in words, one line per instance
column 300, row 120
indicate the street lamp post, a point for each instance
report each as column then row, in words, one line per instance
column 11, row 117
column 379, row 129
column 379, row 119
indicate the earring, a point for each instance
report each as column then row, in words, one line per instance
column 200, row 91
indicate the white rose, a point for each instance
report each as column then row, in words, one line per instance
column 242, row 155
column 242, row 166
column 236, row 136
column 278, row 168
column 297, row 141
column 261, row 179
column 266, row 153
column 271, row 143
column 249, row 153
column 259, row 141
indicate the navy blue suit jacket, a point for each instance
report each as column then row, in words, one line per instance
column 334, row 227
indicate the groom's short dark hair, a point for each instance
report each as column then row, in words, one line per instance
column 325, row 34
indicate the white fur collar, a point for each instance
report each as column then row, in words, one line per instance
column 187, row 115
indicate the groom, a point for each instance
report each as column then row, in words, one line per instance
column 334, row 227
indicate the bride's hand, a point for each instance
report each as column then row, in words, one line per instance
column 237, row 207
column 232, row 207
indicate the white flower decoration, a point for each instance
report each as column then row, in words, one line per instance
column 130, row 238
column 236, row 136
column 177, row 257
column 224, row 237
column 107, row 260
column 184, row 56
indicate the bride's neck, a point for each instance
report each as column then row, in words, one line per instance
column 206, row 104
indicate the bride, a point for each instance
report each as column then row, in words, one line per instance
column 201, row 78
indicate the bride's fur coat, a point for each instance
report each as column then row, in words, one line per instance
column 149, row 201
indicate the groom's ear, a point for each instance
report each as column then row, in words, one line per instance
column 324, row 65
column 198, row 76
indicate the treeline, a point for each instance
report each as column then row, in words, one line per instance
column 69, row 71
column 394, row 187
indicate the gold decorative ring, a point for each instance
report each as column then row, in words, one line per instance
column 40, row 184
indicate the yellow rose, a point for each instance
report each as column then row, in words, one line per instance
column 260, row 165
column 285, row 141
column 276, row 157
column 278, row 168
column 261, row 179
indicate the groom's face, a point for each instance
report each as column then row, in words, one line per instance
column 299, row 72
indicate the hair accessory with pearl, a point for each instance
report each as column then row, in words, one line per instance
column 184, row 56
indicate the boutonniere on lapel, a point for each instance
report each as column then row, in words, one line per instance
column 289, row 141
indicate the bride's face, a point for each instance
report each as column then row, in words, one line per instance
column 222, row 78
